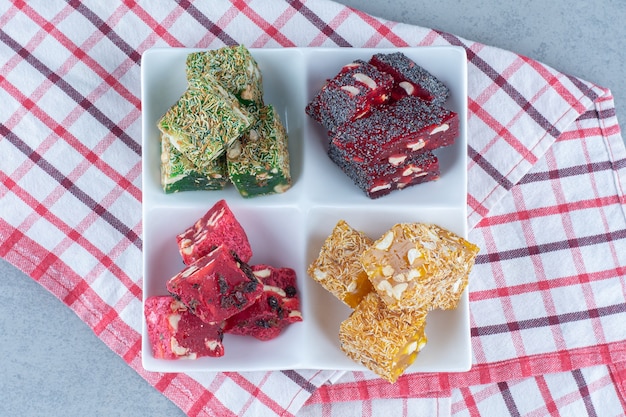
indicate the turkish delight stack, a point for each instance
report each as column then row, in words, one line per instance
column 218, row 291
column 384, row 118
column 220, row 129
column 391, row 284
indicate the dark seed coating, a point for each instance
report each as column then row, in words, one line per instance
column 385, row 143
column 383, row 177
column 396, row 129
column 350, row 94
column 403, row 69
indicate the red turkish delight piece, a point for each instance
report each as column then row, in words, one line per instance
column 410, row 79
column 278, row 306
column 174, row 332
column 394, row 173
column 406, row 126
column 218, row 226
column 350, row 94
column 216, row 286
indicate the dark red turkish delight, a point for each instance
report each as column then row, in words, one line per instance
column 384, row 145
column 410, row 79
column 393, row 173
column 278, row 306
column 174, row 332
column 407, row 126
column 216, row 286
column 350, row 95
column 217, row 227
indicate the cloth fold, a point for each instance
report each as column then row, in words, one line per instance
column 547, row 168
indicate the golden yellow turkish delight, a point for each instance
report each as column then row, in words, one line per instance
column 384, row 341
column 417, row 266
column 338, row 268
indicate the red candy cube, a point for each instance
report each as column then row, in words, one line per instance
column 390, row 174
column 350, row 95
column 174, row 332
column 407, row 126
column 410, row 79
column 278, row 306
column 217, row 227
column 216, row 286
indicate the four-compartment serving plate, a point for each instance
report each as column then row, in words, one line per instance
column 289, row 229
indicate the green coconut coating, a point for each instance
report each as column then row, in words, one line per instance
column 204, row 121
column 234, row 68
column 178, row 173
column 258, row 162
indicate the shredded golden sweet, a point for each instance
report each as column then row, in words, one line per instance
column 417, row 266
column 384, row 341
column 392, row 283
column 338, row 268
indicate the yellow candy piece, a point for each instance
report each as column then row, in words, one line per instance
column 419, row 266
column 384, row 341
column 338, row 268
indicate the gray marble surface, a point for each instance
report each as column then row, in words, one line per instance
column 51, row 362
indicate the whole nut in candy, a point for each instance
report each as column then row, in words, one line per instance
column 400, row 277
column 281, row 188
column 408, row 87
column 397, row 160
column 441, row 128
column 186, row 245
column 234, row 150
column 384, row 285
column 350, row 89
column 410, row 170
column 386, row 241
column 411, row 347
column 246, row 93
column 412, row 255
column 253, row 135
column 388, row 270
column 380, row 187
column 398, row 289
column 263, row 273
column 412, row 274
column 415, row 146
column 360, row 77
column 319, row 275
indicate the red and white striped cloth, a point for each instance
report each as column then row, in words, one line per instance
column 546, row 203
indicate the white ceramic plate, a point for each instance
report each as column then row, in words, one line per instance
column 289, row 229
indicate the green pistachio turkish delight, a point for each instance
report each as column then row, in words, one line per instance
column 234, row 68
column 178, row 173
column 221, row 130
column 204, row 122
column 258, row 162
